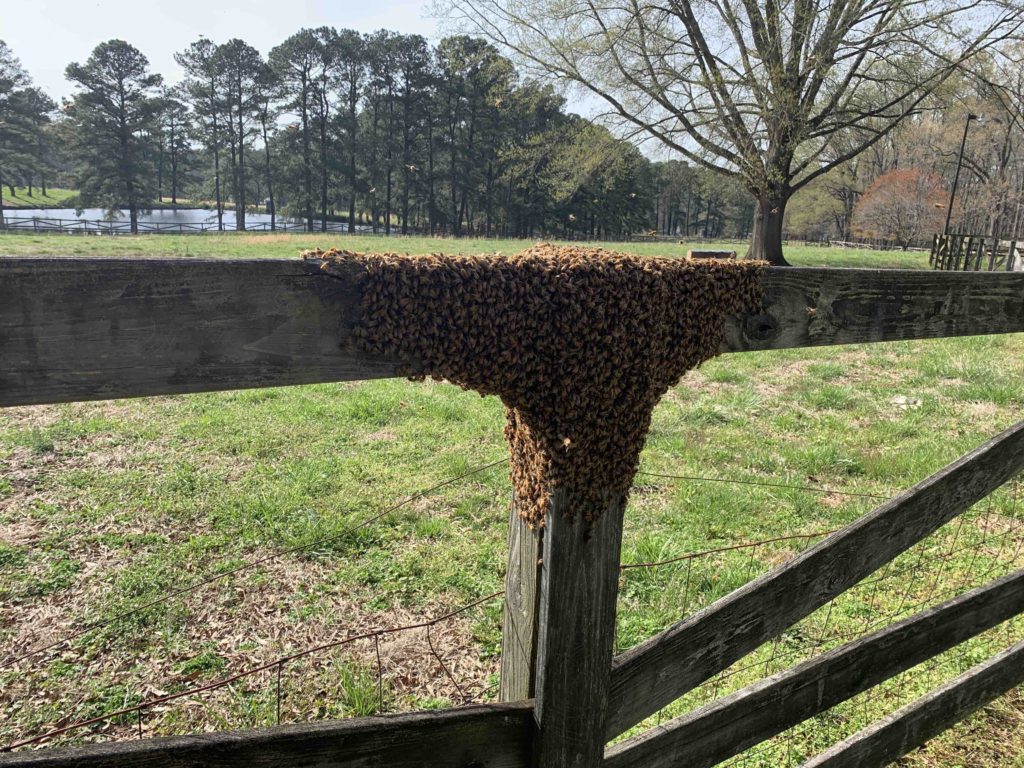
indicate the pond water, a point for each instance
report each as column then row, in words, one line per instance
column 190, row 217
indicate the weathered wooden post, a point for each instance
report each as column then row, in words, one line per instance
column 575, row 634
column 559, row 631
column 519, row 627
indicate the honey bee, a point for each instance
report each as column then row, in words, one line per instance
column 575, row 341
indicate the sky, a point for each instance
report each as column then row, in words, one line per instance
column 49, row 34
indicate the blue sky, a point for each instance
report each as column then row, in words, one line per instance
column 48, row 34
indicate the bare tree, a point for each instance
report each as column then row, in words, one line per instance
column 756, row 90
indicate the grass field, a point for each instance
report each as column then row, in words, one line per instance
column 243, row 245
column 52, row 198
column 106, row 506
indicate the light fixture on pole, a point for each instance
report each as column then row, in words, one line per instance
column 959, row 162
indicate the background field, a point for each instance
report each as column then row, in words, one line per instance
column 22, row 199
column 242, row 245
column 105, row 506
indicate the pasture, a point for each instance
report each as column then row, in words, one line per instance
column 255, row 245
column 54, row 198
column 105, row 507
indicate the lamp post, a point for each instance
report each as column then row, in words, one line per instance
column 956, row 177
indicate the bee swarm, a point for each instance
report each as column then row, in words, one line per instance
column 579, row 343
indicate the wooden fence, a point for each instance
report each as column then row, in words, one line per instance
column 83, row 329
column 975, row 253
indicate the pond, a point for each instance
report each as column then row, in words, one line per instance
column 171, row 220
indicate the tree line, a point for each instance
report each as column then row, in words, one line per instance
column 388, row 132
column 771, row 95
column 381, row 130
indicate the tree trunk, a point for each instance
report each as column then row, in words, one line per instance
column 766, row 239
column 323, row 164
column 307, row 170
column 270, row 177
column 216, row 182
column 174, row 169
column 390, row 160
column 133, row 209
column 353, row 127
column 3, row 222
column 160, row 175
column 240, row 201
column 431, row 204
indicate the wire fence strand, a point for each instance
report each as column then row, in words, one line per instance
column 247, row 566
column 223, row 682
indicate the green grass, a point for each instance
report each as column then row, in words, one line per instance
column 54, row 198
column 106, row 506
column 288, row 245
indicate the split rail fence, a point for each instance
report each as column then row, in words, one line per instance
column 975, row 253
column 87, row 329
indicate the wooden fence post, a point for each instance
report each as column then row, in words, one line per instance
column 559, row 629
column 575, row 634
column 519, row 628
column 959, row 252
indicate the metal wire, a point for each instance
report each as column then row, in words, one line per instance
column 186, row 589
column 251, row 671
column 765, row 484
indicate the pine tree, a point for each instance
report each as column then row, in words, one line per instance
column 114, row 114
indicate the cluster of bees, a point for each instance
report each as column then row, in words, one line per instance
column 579, row 343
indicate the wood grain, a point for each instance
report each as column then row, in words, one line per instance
column 575, row 634
column 910, row 727
column 519, row 625
column 491, row 736
column 732, row 724
column 88, row 329
column 656, row 672
column 807, row 307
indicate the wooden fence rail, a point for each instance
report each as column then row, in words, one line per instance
column 46, row 225
column 747, row 717
column 497, row 735
column 913, row 725
column 668, row 665
column 83, row 329
column 90, row 329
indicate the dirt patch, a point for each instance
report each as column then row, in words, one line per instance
column 235, row 625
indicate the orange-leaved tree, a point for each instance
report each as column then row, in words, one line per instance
column 905, row 206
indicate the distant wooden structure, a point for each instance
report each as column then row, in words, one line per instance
column 85, row 329
column 711, row 254
column 975, row 253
